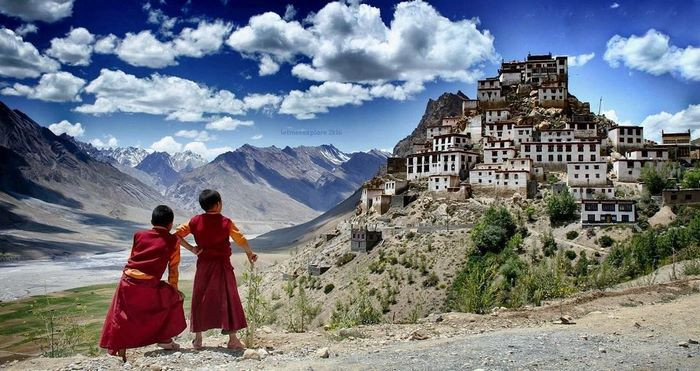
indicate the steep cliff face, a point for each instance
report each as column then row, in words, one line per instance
column 448, row 104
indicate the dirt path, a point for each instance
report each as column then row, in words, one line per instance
column 632, row 328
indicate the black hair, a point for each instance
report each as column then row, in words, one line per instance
column 208, row 199
column 162, row 216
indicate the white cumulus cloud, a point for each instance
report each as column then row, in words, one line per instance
column 26, row 29
column 52, row 87
column 580, row 60
column 109, row 142
column 256, row 137
column 144, row 49
column 197, row 135
column 75, row 49
column 175, row 97
column 653, row 53
column 686, row 119
column 20, row 59
column 614, row 6
column 227, row 123
column 202, row 150
column 349, row 42
column 65, row 127
column 42, row 10
column 166, row 144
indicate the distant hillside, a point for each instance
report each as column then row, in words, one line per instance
column 267, row 188
column 37, row 163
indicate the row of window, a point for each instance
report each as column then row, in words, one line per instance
column 608, row 207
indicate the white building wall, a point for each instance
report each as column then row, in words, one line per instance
column 498, row 155
column 591, row 193
column 447, row 142
column 586, row 173
column 433, row 131
column 522, row 134
column 495, row 115
column 626, row 137
column 560, row 153
column 511, row 179
column 648, row 154
column 631, row 170
column 593, row 212
column 499, row 130
column 552, row 136
column 438, row 183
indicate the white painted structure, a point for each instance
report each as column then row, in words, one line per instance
column 631, row 170
column 586, row 173
column 590, row 193
column 514, row 180
column 393, row 187
column 469, row 105
column 368, row 195
column 556, row 135
column 483, row 174
column 496, row 114
column 489, row 90
column 521, row 134
column 498, row 151
column 583, row 130
column 545, row 68
column 626, row 137
column 438, row 183
column 561, row 153
column 474, row 128
column 552, row 94
column 450, row 141
column 451, row 162
column 648, row 154
column 613, row 211
column 499, row 130
column 435, row 130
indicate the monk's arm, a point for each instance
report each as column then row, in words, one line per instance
column 173, row 268
column 183, row 230
column 240, row 239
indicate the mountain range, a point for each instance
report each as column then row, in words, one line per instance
column 55, row 189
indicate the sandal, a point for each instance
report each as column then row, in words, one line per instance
column 196, row 346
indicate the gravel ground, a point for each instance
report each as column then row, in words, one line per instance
column 643, row 328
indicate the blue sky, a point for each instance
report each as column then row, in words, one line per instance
column 225, row 73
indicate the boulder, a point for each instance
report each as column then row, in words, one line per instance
column 251, row 354
column 323, row 353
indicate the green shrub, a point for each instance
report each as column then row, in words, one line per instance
column 656, row 180
column 344, row 259
column 473, row 290
column 359, row 310
column 549, row 245
column 328, row 288
column 605, row 241
column 691, row 268
column 570, row 235
column 493, row 230
column 561, row 207
column 570, row 254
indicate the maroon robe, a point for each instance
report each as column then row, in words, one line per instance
column 145, row 311
column 215, row 300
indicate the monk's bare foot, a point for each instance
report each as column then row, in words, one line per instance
column 235, row 344
column 197, row 344
column 122, row 354
column 169, row 346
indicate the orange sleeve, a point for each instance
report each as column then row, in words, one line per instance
column 183, row 230
column 237, row 236
column 173, row 267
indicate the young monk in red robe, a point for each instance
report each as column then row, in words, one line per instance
column 215, row 300
column 146, row 310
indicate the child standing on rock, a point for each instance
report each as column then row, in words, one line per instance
column 215, row 300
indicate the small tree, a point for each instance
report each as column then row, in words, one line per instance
column 549, row 245
column 493, row 230
column 561, row 207
column 691, row 178
column 656, row 179
column 256, row 307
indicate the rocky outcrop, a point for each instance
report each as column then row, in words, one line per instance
column 449, row 104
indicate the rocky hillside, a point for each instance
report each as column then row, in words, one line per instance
column 160, row 166
column 448, row 104
column 39, row 164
